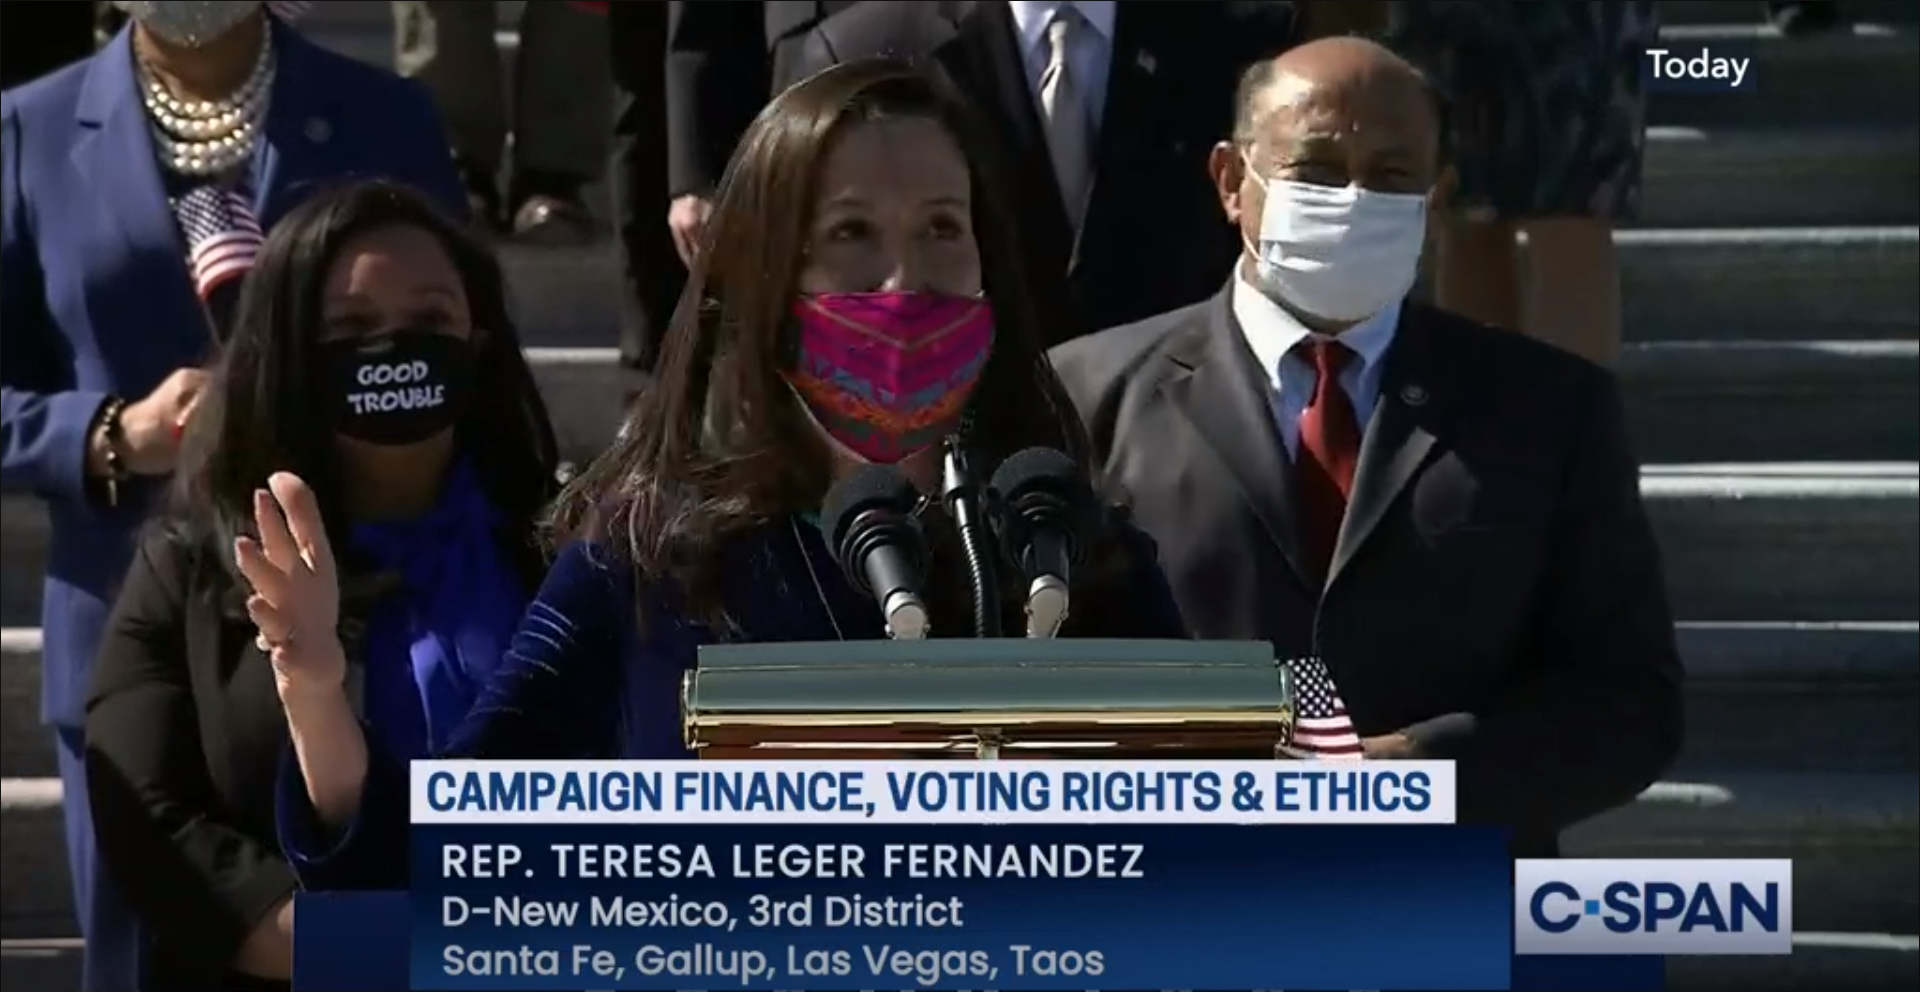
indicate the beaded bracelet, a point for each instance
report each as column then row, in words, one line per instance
column 108, row 426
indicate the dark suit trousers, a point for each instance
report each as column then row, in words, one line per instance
column 111, row 962
column 43, row 36
column 557, row 112
column 651, row 273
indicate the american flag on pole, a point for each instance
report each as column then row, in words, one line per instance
column 223, row 236
column 1321, row 727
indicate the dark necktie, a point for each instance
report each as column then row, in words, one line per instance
column 1329, row 451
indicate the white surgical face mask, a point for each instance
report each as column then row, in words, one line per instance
column 1341, row 253
column 188, row 23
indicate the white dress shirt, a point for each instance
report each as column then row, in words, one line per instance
column 1271, row 333
column 1092, row 50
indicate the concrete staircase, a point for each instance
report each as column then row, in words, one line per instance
column 1804, row 661
column 1774, row 388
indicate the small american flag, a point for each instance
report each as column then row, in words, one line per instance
column 1321, row 727
column 223, row 236
column 289, row 10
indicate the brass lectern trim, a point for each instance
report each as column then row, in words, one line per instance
column 686, row 709
column 970, row 719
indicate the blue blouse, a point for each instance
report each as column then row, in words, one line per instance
column 583, row 680
column 433, row 644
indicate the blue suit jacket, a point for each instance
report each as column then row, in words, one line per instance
column 583, row 679
column 95, row 297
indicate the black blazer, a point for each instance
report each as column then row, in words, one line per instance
column 721, row 61
column 1496, row 592
column 1154, row 237
column 185, row 736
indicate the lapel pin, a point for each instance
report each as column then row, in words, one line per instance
column 318, row 130
column 1413, row 395
column 1146, row 62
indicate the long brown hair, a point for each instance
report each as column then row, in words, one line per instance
column 717, row 445
column 257, row 414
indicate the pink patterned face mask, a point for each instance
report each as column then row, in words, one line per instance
column 888, row 374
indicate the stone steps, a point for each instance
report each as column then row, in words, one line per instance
column 1795, row 81
column 1780, row 284
column 1677, row 12
column 1854, row 962
column 1848, row 836
column 1728, row 176
column 42, row 965
column 1751, row 175
column 1805, row 543
column 38, row 900
column 335, row 16
column 1686, row 400
column 1742, row 542
column 1747, row 176
column 1760, row 697
column 1758, row 176
column 1784, row 283
column 1865, row 76
column 1714, row 161
column 1799, row 698
column 1782, row 761
column 1759, row 401
column 1812, row 542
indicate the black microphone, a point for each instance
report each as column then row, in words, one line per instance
column 1048, row 517
column 870, row 526
column 960, row 491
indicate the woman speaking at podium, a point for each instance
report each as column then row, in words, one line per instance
column 858, row 208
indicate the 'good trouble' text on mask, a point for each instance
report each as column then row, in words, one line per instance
column 398, row 394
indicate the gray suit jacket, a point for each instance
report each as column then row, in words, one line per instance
column 1496, row 593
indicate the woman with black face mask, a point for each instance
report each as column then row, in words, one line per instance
column 372, row 354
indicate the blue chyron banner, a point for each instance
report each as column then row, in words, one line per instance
column 1045, row 907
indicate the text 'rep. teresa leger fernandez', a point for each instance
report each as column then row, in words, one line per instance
column 808, row 861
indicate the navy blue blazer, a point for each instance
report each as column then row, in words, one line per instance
column 585, row 679
column 95, row 296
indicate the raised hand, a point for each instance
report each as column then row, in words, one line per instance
column 295, row 604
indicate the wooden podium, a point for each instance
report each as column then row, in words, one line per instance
column 1012, row 698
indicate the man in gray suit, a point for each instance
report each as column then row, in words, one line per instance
column 1447, row 513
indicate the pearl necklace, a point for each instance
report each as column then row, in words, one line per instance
column 209, row 138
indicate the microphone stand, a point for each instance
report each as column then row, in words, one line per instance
column 961, row 495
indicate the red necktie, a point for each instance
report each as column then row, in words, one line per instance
column 1329, row 451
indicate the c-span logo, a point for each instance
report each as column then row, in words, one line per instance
column 1653, row 907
